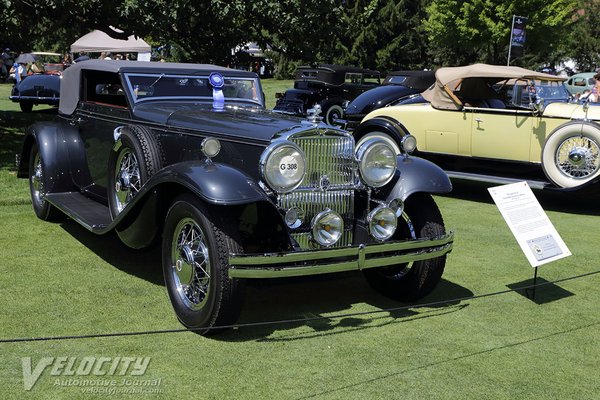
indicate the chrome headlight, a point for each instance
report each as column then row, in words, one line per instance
column 377, row 161
column 282, row 166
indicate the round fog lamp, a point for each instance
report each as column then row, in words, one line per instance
column 293, row 217
column 327, row 227
column 382, row 223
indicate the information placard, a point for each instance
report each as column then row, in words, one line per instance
column 527, row 220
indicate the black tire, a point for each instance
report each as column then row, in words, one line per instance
column 571, row 154
column 220, row 302
column 136, row 157
column 26, row 106
column 37, row 187
column 409, row 282
column 331, row 112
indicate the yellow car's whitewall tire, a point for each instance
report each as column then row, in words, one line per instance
column 571, row 154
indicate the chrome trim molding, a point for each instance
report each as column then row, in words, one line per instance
column 300, row 263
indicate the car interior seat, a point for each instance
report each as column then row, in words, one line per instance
column 476, row 92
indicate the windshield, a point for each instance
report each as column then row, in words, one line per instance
column 145, row 87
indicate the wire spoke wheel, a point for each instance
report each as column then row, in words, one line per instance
column 578, row 157
column 191, row 264
column 571, row 154
column 195, row 252
column 127, row 178
column 38, row 191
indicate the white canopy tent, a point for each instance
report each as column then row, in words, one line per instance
column 98, row 41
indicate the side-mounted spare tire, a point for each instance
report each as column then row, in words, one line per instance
column 137, row 156
column 331, row 111
column 571, row 154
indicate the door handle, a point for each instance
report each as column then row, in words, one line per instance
column 478, row 120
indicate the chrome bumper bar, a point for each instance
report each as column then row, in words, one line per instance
column 300, row 263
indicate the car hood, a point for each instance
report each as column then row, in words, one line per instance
column 242, row 122
column 572, row 111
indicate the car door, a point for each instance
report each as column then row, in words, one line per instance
column 502, row 133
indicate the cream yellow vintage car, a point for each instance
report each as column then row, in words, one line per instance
column 497, row 124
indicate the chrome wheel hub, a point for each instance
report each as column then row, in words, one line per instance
column 37, row 180
column 127, row 178
column 190, row 264
column 578, row 157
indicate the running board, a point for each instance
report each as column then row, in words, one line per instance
column 92, row 215
column 500, row 180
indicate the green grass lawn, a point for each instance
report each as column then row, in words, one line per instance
column 58, row 279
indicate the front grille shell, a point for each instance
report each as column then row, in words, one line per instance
column 330, row 182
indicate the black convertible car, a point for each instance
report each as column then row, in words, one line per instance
column 329, row 86
column 399, row 87
column 186, row 155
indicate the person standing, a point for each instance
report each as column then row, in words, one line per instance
column 595, row 95
column 7, row 63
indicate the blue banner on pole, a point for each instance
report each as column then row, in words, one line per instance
column 517, row 35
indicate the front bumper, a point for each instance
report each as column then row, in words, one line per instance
column 300, row 263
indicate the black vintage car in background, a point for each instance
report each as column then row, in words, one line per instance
column 329, row 86
column 187, row 155
column 42, row 87
column 398, row 87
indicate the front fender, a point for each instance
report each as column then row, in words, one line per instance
column 383, row 124
column 414, row 175
column 215, row 183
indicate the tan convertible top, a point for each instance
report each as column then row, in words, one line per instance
column 443, row 94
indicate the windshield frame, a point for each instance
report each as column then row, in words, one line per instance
column 156, row 77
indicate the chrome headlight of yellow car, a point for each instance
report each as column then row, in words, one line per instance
column 376, row 162
column 282, row 166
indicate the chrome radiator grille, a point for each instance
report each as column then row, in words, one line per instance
column 329, row 183
column 331, row 156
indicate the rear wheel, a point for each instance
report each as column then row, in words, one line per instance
column 37, row 187
column 26, row 106
column 410, row 281
column 571, row 154
column 195, row 254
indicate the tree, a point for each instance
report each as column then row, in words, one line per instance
column 384, row 35
column 583, row 42
column 464, row 32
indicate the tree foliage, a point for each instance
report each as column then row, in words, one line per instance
column 463, row 32
column 583, row 42
column 379, row 34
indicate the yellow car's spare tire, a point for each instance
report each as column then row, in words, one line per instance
column 571, row 154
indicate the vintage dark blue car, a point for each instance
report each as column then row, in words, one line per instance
column 187, row 155
column 36, row 89
column 329, row 86
column 398, row 87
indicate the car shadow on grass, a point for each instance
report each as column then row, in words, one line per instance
column 569, row 202
column 144, row 264
column 330, row 304
column 322, row 303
